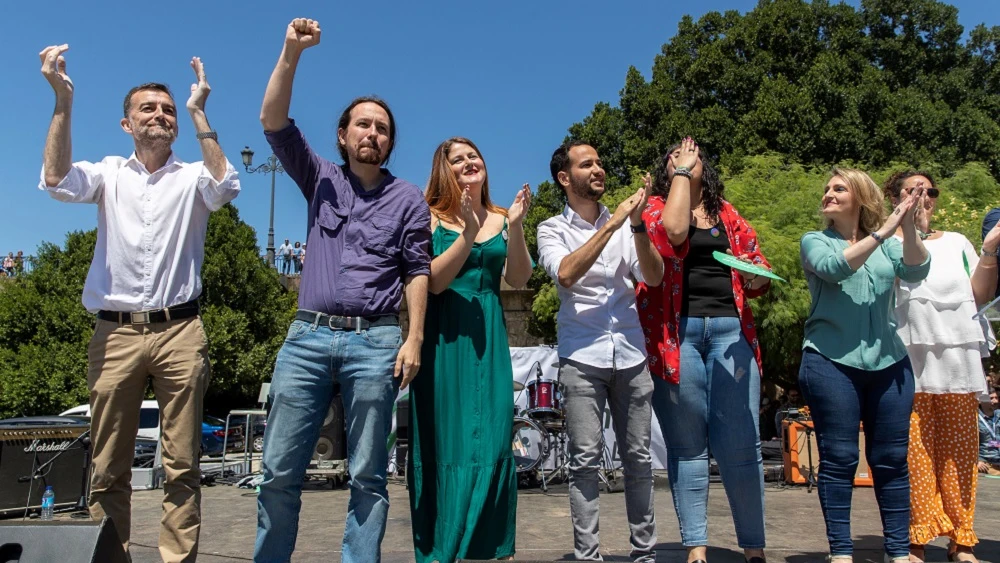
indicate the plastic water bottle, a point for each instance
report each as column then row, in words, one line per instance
column 48, row 503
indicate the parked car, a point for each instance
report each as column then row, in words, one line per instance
column 212, row 430
column 149, row 418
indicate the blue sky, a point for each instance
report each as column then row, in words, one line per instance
column 512, row 76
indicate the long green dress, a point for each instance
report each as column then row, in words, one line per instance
column 461, row 471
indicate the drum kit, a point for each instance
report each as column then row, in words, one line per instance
column 540, row 434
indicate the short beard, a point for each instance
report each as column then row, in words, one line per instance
column 371, row 156
column 154, row 137
column 584, row 190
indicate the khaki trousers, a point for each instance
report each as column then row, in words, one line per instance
column 174, row 355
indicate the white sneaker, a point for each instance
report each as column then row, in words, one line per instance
column 840, row 558
column 899, row 559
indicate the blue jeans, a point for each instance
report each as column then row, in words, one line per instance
column 714, row 407
column 840, row 398
column 313, row 359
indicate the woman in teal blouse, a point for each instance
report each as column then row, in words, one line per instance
column 854, row 367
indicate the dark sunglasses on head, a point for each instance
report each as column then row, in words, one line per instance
column 932, row 193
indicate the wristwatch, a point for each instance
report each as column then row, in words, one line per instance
column 984, row 252
column 207, row 135
column 637, row 229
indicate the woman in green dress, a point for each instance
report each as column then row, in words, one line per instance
column 461, row 472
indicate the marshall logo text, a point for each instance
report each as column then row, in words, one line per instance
column 38, row 446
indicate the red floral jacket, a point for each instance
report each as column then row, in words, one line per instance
column 660, row 307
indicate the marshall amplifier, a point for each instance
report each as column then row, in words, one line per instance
column 36, row 452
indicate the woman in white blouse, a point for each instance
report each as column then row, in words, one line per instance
column 945, row 344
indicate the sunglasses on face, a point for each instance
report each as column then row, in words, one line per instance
column 932, row 193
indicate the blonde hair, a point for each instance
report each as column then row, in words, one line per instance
column 869, row 196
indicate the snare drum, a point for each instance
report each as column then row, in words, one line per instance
column 529, row 443
column 544, row 399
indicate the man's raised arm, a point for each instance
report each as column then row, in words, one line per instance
column 301, row 34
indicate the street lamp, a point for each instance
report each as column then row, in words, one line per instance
column 272, row 165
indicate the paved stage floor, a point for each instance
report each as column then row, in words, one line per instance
column 795, row 531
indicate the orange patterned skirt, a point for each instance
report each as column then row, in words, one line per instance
column 944, row 448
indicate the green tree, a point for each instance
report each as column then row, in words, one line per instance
column 44, row 329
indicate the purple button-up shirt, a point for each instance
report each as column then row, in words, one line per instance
column 362, row 245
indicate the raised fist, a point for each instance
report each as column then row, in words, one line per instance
column 54, row 69
column 302, row 33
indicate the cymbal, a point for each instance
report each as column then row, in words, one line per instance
column 518, row 386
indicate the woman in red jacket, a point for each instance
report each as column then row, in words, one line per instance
column 702, row 347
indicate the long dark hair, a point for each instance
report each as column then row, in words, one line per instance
column 711, row 184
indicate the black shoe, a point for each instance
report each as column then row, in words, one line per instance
column 756, row 560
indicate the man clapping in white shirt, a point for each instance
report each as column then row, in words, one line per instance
column 594, row 259
column 143, row 285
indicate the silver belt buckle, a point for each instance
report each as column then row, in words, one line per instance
column 140, row 318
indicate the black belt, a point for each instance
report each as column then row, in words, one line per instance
column 356, row 324
column 177, row 312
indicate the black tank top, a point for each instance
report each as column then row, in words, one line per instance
column 708, row 286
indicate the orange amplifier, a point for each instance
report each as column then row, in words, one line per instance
column 798, row 440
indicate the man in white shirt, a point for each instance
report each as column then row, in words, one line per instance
column 593, row 258
column 144, row 284
column 285, row 254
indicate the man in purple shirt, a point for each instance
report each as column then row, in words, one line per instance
column 369, row 233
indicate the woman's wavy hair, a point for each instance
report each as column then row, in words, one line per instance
column 894, row 185
column 712, row 187
column 869, row 196
column 444, row 195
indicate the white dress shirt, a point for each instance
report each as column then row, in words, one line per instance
column 598, row 321
column 150, row 228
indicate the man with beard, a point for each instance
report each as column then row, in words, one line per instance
column 596, row 263
column 144, row 283
column 370, row 235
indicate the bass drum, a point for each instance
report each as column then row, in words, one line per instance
column 529, row 443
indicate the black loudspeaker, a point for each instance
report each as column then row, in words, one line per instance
column 37, row 452
column 332, row 442
column 63, row 542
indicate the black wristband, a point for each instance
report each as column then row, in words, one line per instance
column 637, row 229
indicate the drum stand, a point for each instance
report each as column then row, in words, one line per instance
column 608, row 473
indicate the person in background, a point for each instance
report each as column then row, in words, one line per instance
column 792, row 400
column 285, row 257
column 989, row 435
column 297, row 258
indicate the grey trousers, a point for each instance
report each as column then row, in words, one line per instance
column 586, row 391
